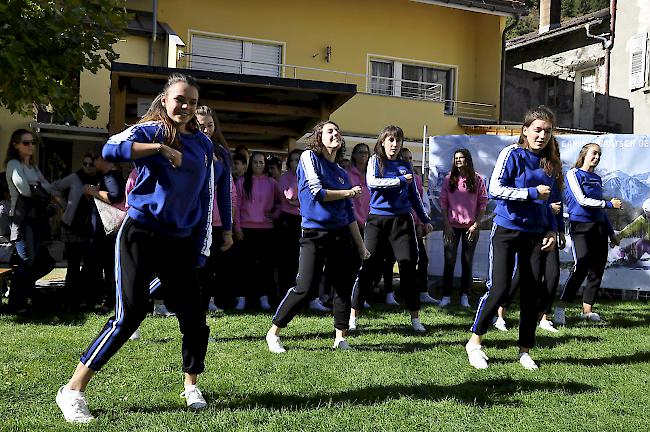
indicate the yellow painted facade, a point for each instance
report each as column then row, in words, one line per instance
column 356, row 31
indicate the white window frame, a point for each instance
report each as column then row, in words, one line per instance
column 397, row 72
column 247, row 47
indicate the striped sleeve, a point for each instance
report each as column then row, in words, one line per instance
column 118, row 147
column 576, row 190
column 307, row 159
column 224, row 197
column 502, row 178
column 204, row 236
column 374, row 181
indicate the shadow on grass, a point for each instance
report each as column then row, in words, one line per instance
column 483, row 393
column 638, row 357
column 52, row 318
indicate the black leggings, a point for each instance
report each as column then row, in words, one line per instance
column 505, row 244
column 590, row 256
column 333, row 250
column 397, row 233
column 141, row 254
column 550, row 262
column 466, row 258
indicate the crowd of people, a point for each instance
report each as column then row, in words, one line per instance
column 203, row 228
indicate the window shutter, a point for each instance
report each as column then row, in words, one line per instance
column 638, row 61
column 216, row 54
column 266, row 58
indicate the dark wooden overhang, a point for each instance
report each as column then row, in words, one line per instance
column 257, row 111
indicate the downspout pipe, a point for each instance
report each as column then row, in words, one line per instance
column 502, row 84
column 154, row 33
column 608, row 55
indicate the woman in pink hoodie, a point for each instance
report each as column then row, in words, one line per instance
column 357, row 174
column 463, row 200
column 259, row 204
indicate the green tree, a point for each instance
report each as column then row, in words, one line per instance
column 45, row 46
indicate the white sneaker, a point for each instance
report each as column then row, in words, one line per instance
column 390, row 299
column 476, row 356
column 527, row 361
column 264, row 303
column 500, row 324
column 317, row 305
column 547, row 325
column 194, row 398
column 241, row 303
column 559, row 317
column 366, row 305
column 426, row 298
column 136, row 334
column 213, row 307
column 352, row 324
column 341, row 344
column 274, row 344
column 464, row 301
column 73, row 405
column 445, row 301
column 159, row 309
column 591, row 316
column 417, row 325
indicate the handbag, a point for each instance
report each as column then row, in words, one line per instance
column 111, row 216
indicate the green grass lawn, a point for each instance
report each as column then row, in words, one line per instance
column 591, row 377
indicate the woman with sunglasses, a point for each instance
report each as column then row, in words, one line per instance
column 25, row 181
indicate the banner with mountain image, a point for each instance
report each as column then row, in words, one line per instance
column 624, row 168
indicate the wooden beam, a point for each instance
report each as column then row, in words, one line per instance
column 261, row 108
column 117, row 114
column 259, row 129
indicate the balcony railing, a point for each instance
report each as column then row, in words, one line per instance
column 367, row 84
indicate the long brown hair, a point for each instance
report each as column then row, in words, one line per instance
column 470, row 183
column 315, row 139
column 218, row 139
column 157, row 111
column 12, row 151
column 388, row 131
column 550, row 154
column 583, row 154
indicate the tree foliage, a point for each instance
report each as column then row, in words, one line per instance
column 569, row 9
column 45, row 46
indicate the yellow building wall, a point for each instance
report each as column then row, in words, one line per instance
column 95, row 88
column 399, row 29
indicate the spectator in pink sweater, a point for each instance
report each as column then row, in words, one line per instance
column 259, row 204
column 463, row 200
column 357, row 174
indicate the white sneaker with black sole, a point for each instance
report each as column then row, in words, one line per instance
column 161, row 310
column 427, row 299
column 500, row 324
column 444, row 301
column 341, row 344
column 390, row 299
column 317, row 305
column 274, row 344
column 73, row 405
column 194, row 398
column 352, row 323
column 547, row 325
column 264, row 303
column 476, row 356
column 527, row 361
column 417, row 325
column 591, row 316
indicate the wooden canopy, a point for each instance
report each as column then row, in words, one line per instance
column 260, row 112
